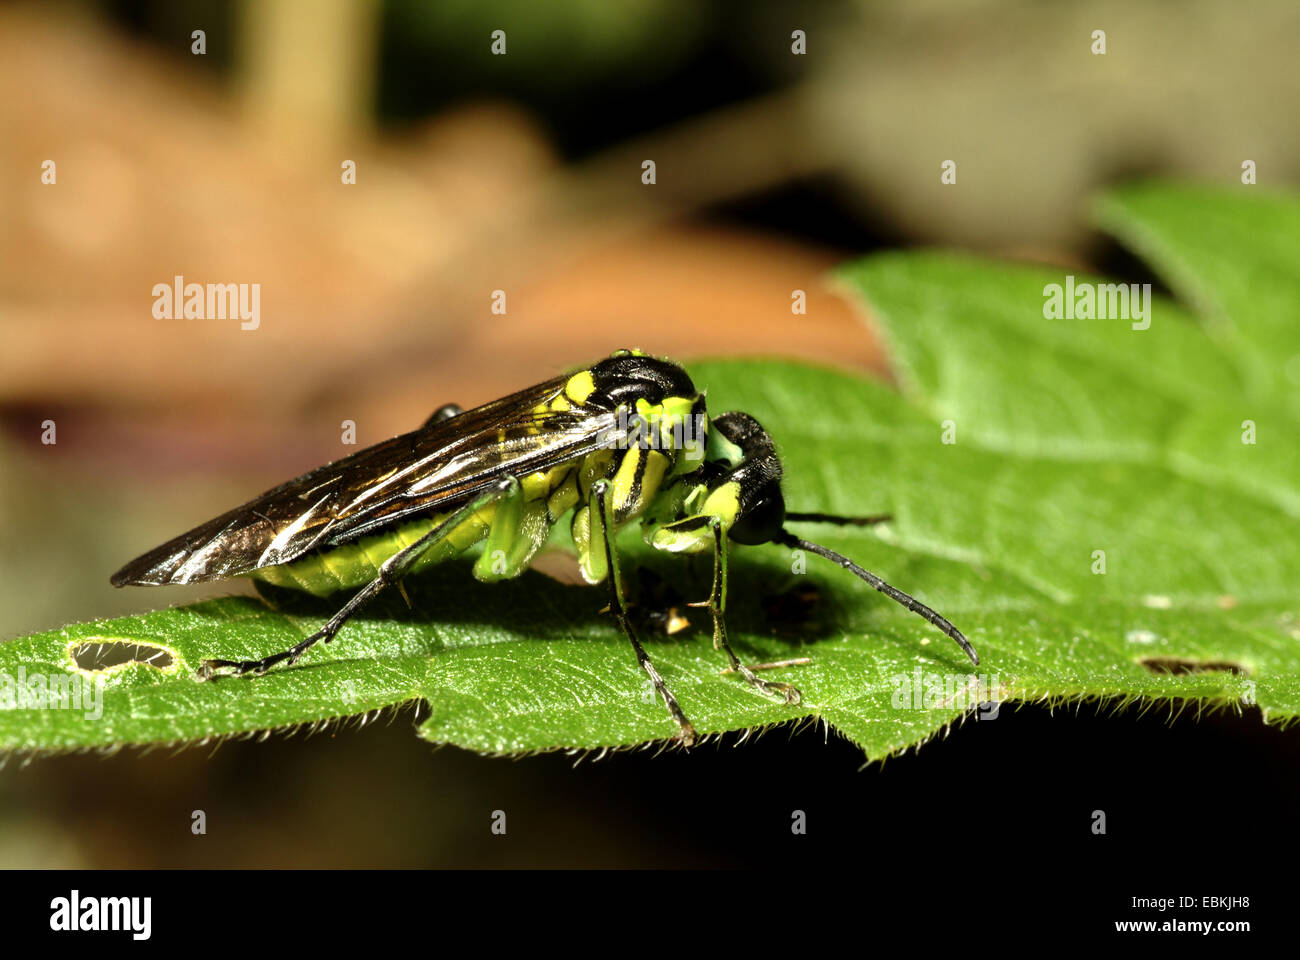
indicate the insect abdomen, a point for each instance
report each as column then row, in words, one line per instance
column 355, row 564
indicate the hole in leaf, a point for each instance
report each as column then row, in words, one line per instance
column 1177, row 667
column 92, row 655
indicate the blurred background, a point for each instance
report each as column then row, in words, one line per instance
column 522, row 173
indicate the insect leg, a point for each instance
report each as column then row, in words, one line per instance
column 605, row 512
column 717, row 606
column 445, row 412
column 389, row 572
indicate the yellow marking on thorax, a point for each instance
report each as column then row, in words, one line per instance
column 580, row 387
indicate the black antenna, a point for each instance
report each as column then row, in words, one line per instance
column 841, row 521
column 916, row 606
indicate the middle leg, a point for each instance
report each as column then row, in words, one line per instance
column 604, row 515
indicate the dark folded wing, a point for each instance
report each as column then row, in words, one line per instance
column 428, row 470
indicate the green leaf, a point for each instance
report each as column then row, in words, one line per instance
column 1072, row 437
column 1232, row 254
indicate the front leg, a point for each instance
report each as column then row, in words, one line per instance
column 717, row 606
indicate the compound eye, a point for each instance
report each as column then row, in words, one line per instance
column 762, row 522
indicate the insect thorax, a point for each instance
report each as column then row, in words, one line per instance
column 659, row 446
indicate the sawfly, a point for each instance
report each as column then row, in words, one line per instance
column 627, row 439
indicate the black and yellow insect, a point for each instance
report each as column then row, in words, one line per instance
column 627, row 439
